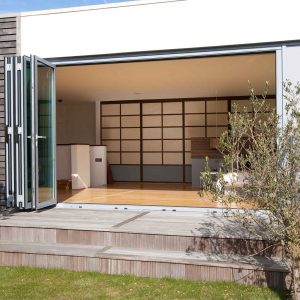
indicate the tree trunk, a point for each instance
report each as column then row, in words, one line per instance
column 294, row 273
column 296, row 282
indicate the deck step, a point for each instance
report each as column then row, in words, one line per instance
column 116, row 237
column 146, row 262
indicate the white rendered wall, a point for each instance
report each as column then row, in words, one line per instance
column 146, row 25
column 292, row 64
column 76, row 123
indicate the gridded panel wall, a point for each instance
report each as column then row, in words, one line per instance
column 204, row 118
column 150, row 140
column 120, row 132
column 162, row 141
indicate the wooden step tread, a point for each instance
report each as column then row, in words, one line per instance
column 191, row 224
column 146, row 255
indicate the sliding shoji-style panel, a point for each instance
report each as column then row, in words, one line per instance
column 111, row 131
column 130, row 134
column 162, row 143
column 195, row 122
column 204, row 118
column 173, row 134
column 150, row 140
column 120, row 132
column 152, row 133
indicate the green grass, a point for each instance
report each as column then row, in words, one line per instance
column 34, row 283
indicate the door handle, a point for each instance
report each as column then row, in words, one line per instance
column 38, row 137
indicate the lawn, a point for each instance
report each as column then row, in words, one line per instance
column 33, row 283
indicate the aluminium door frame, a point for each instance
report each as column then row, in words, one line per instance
column 34, row 131
column 17, row 136
column 9, row 132
column 21, row 133
column 16, row 132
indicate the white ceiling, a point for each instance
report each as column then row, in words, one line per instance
column 201, row 77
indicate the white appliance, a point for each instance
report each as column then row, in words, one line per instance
column 98, row 165
column 80, row 166
column 63, row 162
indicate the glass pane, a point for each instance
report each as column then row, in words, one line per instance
column 130, row 145
column 172, row 107
column 191, row 132
column 130, row 109
column 130, row 133
column 172, row 133
column 187, row 145
column 217, row 119
column 241, row 105
column 113, row 158
column 110, row 121
column 188, row 159
column 195, row 120
column 173, row 158
column 130, row 158
column 173, row 145
column 151, row 133
column 215, row 131
column 45, row 131
column 131, row 121
column 112, row 145
column 174, row 120
column 152, row 158
column 151, row 108
column 152, row 121
column 194, row 107
column 110, row 109
column 216, row 106
column 110, row 134
column 152, row 145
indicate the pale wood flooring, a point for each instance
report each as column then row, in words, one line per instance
column 161, row 194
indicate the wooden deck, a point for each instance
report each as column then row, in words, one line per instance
column 147, row 194
column 190, row 245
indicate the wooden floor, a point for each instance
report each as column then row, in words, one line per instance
column 160, row 194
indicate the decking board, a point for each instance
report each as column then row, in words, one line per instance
column 193, row 266
column 178, row 231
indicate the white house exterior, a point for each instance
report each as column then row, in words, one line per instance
column 95, row 39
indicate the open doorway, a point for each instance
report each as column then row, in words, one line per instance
column 158, row 120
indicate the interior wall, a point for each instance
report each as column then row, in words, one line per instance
column 75, row 123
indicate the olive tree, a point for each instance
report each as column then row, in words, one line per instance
column 263, row 152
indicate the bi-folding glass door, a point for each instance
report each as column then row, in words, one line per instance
column 30, row 132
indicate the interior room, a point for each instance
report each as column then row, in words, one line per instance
column 156, row 121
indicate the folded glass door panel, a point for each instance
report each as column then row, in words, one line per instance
column 44, row 133
column 30, row 132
